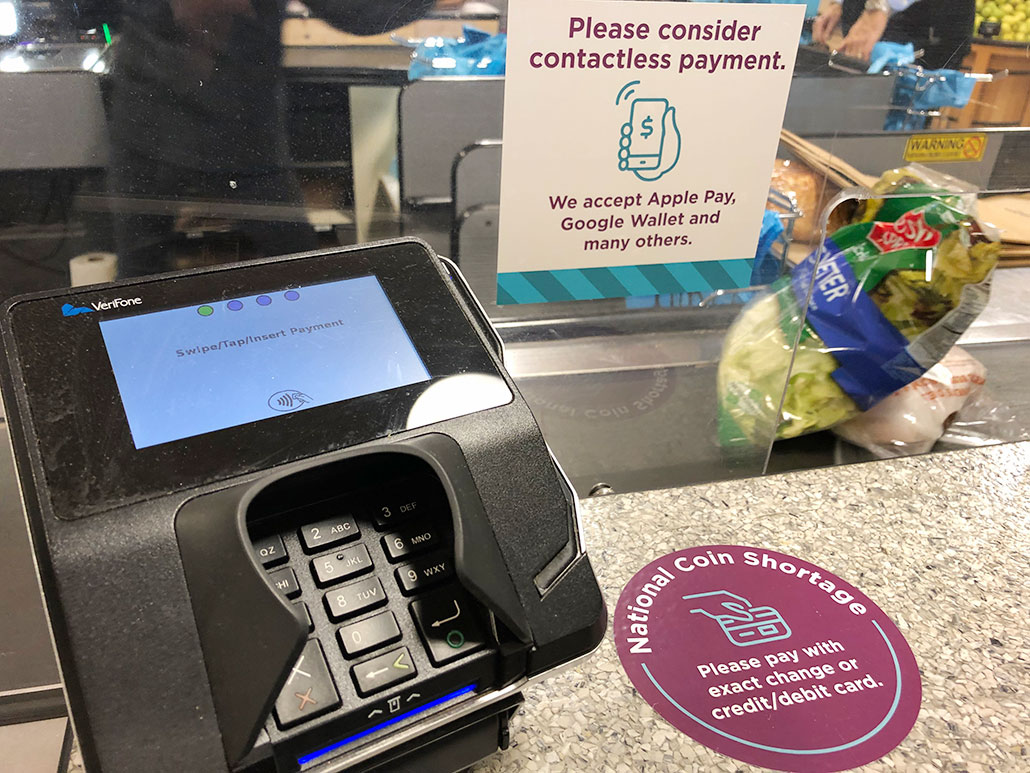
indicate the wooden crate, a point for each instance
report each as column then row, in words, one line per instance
column 1006, row 101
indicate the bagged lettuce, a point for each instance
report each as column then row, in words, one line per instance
column 875, row 321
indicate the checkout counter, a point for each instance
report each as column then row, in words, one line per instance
column 940, row 541
column 625, row 397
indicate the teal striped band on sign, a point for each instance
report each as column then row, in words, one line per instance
column 585, row 284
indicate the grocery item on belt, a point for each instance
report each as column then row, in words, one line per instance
column 811, row 192
column 912, row 419
column 874, row 322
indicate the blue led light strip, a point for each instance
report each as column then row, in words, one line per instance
column 392, row 721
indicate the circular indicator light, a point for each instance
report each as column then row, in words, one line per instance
column 291, row 295
column 234, row 305
column 205, row 311
column 455, row 639
column 263, row 300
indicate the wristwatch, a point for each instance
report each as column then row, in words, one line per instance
column 878, row 5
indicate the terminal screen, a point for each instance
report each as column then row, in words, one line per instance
column 197, row 369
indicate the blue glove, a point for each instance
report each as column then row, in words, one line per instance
column 477, row 53
column 891, row 55
column 767, row 265
column 948, row 88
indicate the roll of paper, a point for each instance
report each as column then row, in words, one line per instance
column 93, row 268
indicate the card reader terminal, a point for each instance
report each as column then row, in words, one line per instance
column 291, row 515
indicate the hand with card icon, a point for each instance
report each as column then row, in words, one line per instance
column 742, row 623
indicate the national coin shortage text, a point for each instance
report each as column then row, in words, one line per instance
column 664, row 35
column 638, row 612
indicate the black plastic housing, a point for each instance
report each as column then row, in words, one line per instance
column 171, row 644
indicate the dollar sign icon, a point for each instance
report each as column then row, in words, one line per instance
column 647, row 128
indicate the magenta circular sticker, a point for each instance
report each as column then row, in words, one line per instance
column 767, row 658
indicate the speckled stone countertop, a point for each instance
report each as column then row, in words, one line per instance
column 941, row 543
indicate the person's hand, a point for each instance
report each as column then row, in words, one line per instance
column 826, row 22
column 864, row 34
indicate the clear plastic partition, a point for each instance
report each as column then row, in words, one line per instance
column 153, row 135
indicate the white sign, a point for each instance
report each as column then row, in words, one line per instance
column 640, row 133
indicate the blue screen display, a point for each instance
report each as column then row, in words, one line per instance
column 192, row 370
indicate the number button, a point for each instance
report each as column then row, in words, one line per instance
column 409, row 498
column 270, row 551
column 399, row 545
column 341, row 566
column 423, row 573
column 383, row 516
column 386, row 515
column 367, row 635
column 285, row 581
column 353, row 599
column 327, row 533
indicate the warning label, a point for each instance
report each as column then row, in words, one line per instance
column 928, row 148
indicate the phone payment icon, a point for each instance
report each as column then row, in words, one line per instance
column 650, row 140
column 643, row 135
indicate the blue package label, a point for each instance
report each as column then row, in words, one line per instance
column 872, row 354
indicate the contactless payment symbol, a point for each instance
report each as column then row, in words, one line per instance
column 767, row 658
column 288, row 400
column 649, row 142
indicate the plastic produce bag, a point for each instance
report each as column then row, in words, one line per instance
column 875, row 322
column 934, row 89
column 920, row 91
column 984, row 421
column 915, row 417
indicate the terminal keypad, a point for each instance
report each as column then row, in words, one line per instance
column 373, row 573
